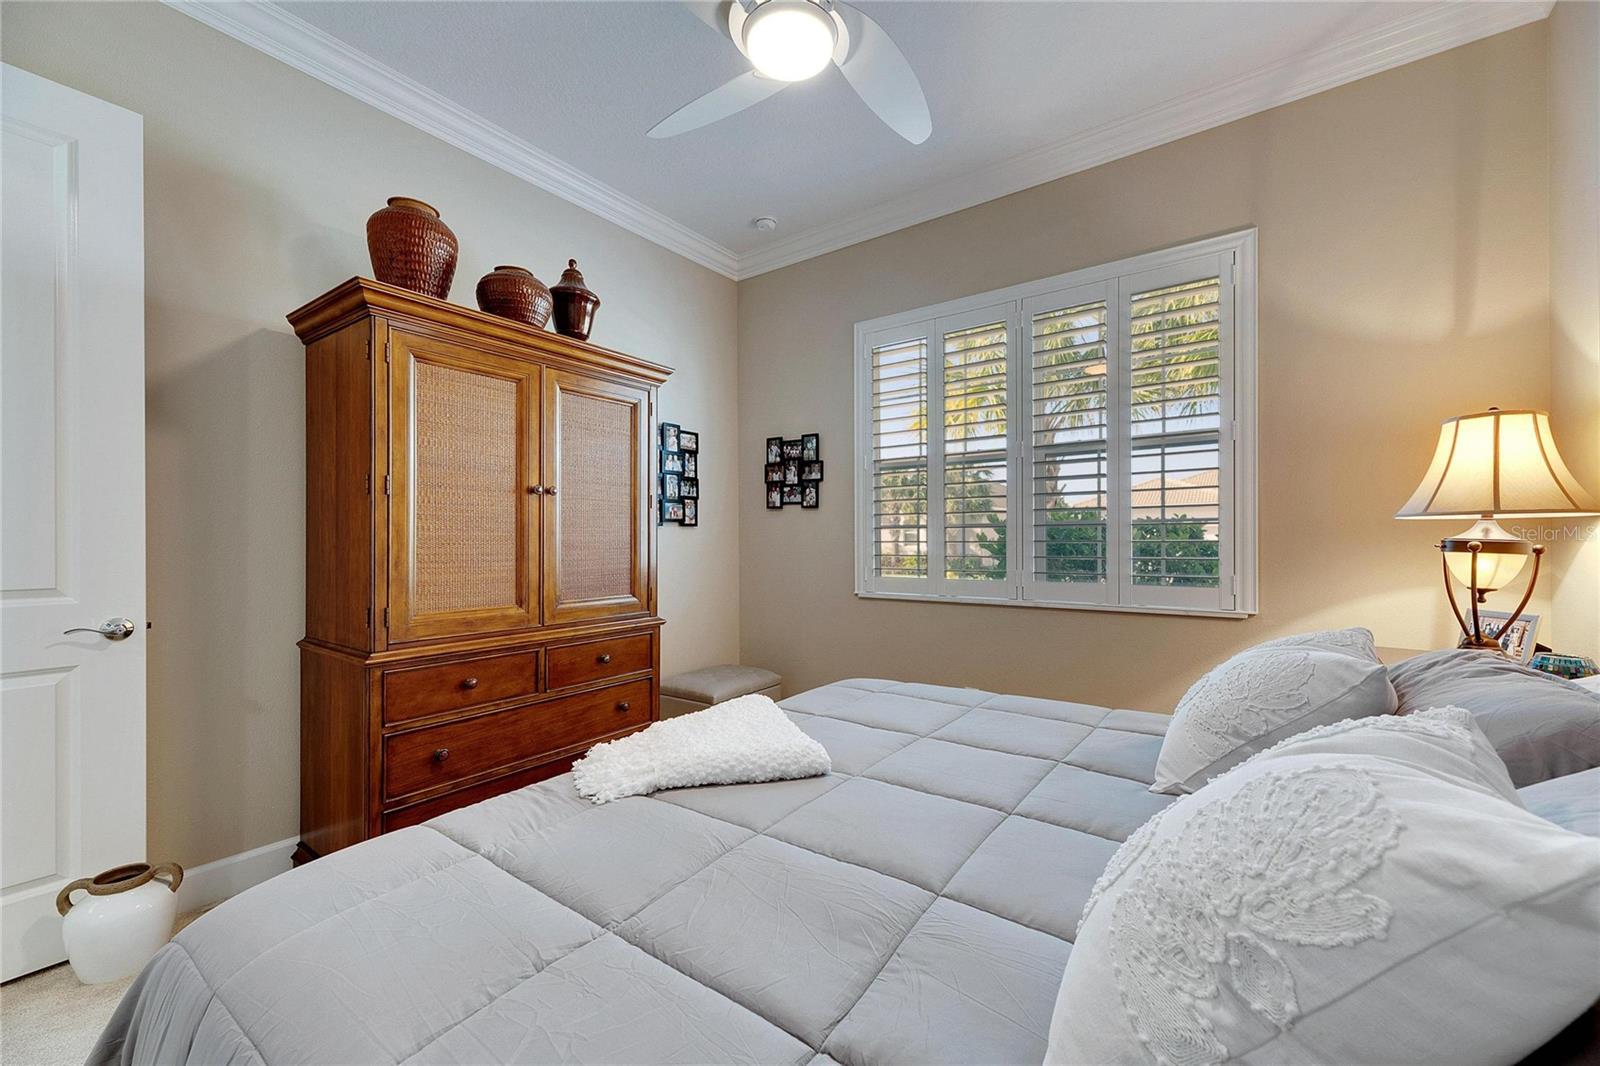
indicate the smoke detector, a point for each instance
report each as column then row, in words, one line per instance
column 764, row 223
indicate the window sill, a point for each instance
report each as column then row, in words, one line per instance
column 1111, row 608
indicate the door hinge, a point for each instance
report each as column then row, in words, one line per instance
column 387, row 344
column 369, row 617
column 388, row 484
column 386, row 618
column 366, row 484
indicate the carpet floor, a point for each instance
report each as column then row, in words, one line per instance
column 49, row 1019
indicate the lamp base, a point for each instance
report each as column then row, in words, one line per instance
column 1480, row 641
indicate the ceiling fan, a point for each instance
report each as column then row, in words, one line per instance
column 792, row 40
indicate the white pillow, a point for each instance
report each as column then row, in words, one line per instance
column 1261, row 696
column 1364, row 893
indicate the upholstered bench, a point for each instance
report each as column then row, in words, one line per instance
column 699, row 689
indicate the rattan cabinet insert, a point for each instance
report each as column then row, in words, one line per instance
column 480, row 557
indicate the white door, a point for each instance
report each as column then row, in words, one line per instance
column 72, row 736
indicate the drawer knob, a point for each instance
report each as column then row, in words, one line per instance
column 602, row 660
column 622, row 707
column 441, row 754
column 470, row 682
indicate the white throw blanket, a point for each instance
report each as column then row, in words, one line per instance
column 745, row 739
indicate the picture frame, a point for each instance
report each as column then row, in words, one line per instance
column 1518, row 643
column 810, row 446
column 810, row 495
column 691, row 512
column 774, row 473
column 774, row 449
column 791, row 471
column 811, row 470
column 791, row 449
column 791, row 494
column 677, row 474
column 775, row 497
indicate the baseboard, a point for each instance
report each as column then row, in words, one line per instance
column 213, row 882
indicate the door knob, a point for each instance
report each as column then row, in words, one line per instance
column 111, row 629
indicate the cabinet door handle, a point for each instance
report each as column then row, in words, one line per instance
column 622, row 707
column 535, row 490
column 441, row 754
column 549, row 490
column 603, row 659
column 470, row 682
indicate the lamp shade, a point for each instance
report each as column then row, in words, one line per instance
column 1498, row 463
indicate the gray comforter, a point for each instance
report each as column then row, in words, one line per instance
column 916, row 905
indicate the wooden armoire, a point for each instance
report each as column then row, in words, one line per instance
column 480, row 558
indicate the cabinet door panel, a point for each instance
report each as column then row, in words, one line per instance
column 596, row 525
column 463, row 532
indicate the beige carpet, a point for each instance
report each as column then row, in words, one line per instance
column 49, row 1019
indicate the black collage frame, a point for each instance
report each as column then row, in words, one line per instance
column 679, row 478
column 793, row 471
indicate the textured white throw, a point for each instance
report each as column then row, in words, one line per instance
column 745, row 739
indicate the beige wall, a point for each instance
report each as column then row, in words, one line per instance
column 1404, row 266
column 1574, row 30
column 258, row 182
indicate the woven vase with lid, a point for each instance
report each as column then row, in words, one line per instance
column 513, row 292
column 123, row 918
column 575, row 303
column 412, row 248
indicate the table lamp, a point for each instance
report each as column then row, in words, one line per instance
column 1489, row 465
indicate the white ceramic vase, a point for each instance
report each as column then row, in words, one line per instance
column 123, row 919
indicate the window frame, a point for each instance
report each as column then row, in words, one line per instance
column 1236, row 592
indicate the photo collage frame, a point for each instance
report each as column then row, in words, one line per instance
column 794, row 472
column 680, row 476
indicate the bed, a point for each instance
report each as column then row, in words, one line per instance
column 916, row 904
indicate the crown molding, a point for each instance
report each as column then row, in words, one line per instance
column 290, row 39
column 1435, row 28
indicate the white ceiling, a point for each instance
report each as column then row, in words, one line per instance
column 1020, row 93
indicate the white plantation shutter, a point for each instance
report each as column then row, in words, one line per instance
column 1178, row 353
column 898, row 472
column 1084, row 441
column 1067, row 448
column 975, row 452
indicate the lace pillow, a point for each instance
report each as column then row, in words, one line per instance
column 1365, row 893
column 1258, row 698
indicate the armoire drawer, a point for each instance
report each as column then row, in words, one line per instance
column 596, row 660
column 455, row 751
column 422, row 691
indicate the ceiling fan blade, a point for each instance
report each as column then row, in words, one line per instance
column 879, row 73
column 713, row 13
column 729, row 98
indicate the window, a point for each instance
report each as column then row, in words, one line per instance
column 1082, row 441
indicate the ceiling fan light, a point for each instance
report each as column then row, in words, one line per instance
column 789, row 40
